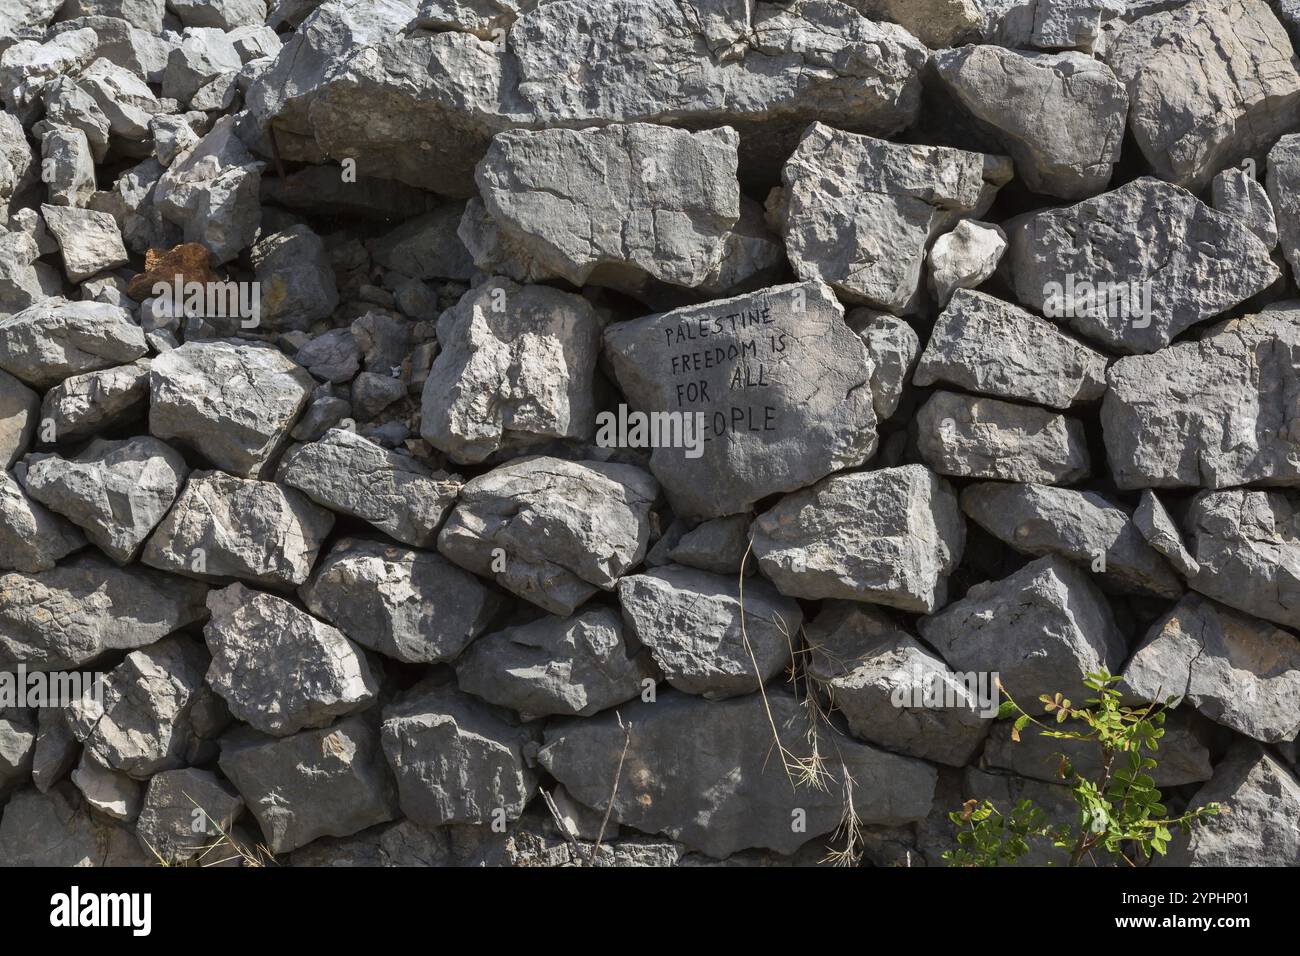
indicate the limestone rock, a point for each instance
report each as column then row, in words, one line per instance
column 985, row 345
column 887, row 537
column 354, row 476
column 964, row 258
column 68, row 616
column 768, row 425
column 517, row 366
column 413, row 606
column 32, row 538
column 860, row 213
column 232, row 402
column 258, row 531
column 1043, row 630
column 1134, row 267
column 553, row 532
column 1235, row 670
column 49, row 341
column 574, row 666
column 709, row 634
column 166, row 825
column 983, row 438
column 281, row 670
column 116, row 491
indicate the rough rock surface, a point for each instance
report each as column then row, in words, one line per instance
column 563, row 530
column 860, row 213
column 574, row 666
column 221, row 526
column 985, row 345
column 739, row 796
column 738, row 363
column 250, row 633
column 984, row 438
column 1081, row 526
column 886, row 537
column 1043, row 629
column 354, row 476
column 1212, row 413
column 1133, row 268
column 708, row 633
column 413, row 606
column 1237, row 671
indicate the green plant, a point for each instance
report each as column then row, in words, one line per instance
column 1121, row 818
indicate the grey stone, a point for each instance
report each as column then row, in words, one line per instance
column 1247, row 546
column 333, row 356
column 17, row 747
column 892, row 690
column 88, row 404
column 226, row 15
column 964, row 258
column 553, row 532
column 985, row 345
column 211, row 192
column 258, row 531
column 167, row 821
column 1235, row 670
column 1210, row 413
column 232, row 402
column 814, row 59
column 414, row 606
column 26, row 66
column 372, row 394
column 1234, row 192
column 483, row 18
column 116, row 491
column 1042, row 629
column 1163, row 534
column 860, row 213
column 327, row 782
column 53, row 339
column 887, row 537
column 69, row 166
column 354, row 476
column 1086, row 25
column 457, row 760
column 711, row 634
column 90, row 241
column 574, row 666
column 1080, row 526
column 19, row 408
column 21, row 283
column 202, row 55
column 71, row 614
column 985, row 438
column 297, row 281
column 142, row 724
column 142, row 14
column 31, row 538
column 56, row 751
column 68, row 105
column 743, row 365
column 936, row 23
column 123, row 98
column 517, row 366
column 56, row 829
column 428, row 246
column 709, row 775
column 1210, row 82
column 719, row 546
column 1283, row 184
column 281, row 670
column 893, row 348
column 1059, row 115
column 604, row 204
column 109, row 793
column 1134, row 267
column 1262, row 800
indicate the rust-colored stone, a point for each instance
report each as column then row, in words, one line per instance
column 189, row 260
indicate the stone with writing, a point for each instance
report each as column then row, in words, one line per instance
column 783, row 386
